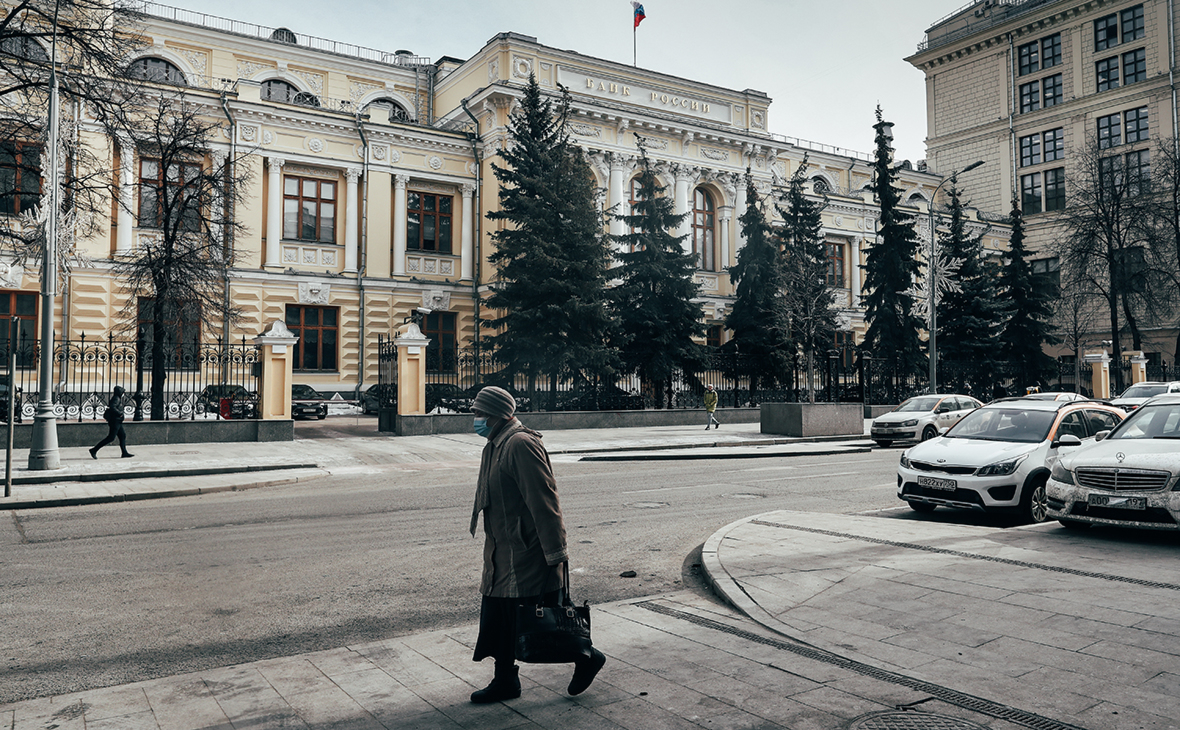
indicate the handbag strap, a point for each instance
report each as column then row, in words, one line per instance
column 565, row 583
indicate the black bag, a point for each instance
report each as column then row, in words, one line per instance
column 553, row 634
column 110, row 415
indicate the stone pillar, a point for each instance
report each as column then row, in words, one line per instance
column 274, row 380
column 740, row 206
column 682, row 203
column 724, row 219
column 854, row 271
column 1100, row 369
column 467, row 250
column 125, row 218
column 1138, row 366
column 274, row 211
column 399, row 223
column 351, row 206
column 411, row 370
column 216, row 225
column 618, row 199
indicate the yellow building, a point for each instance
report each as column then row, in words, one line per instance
column 372, row 179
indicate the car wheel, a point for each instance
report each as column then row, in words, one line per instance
column 883, row 444
column 923, row 507
column 929, row 432
column 1034, row 502
column 322, row 416
column 1074, row 525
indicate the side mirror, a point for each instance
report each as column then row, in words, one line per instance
column 1067, row 440
column 1101, row 435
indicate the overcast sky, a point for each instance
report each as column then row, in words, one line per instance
column 825, row 65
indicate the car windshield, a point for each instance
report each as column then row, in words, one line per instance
column 925, row 403
column 1151, row 422
column 1004, row 424
column 1144, row 391
column 304, row 392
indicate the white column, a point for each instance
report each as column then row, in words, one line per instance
column 725, row 217
column 740, row 210
column 399, row 223
column 274, row 211
column 854, row 271
column 681, row 206
column 618, row 201
column 218, row 214
column 467, row 250
column 125, row 219
column 351, row 175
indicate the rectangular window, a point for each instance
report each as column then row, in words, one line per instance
column 309, row 210
column 1116, row 28
column 318, row 333
column 1055, row 189
column 1134, row 66
column 1108, row 73
column 1030, row 59
column 428, row 222
column 1136, row 124
column 172, row 190
column 1051, row 51
column 1138, row 167
column 1110, row 174
column 1051, row 90
column 1109, row 131
column 1054, row 144
column 1030, row 97
column 1030, row 193
column 1132, row 24
column 836, row 265
column 182, row 332
column 1030, row 150
column 20, row 177
column 1048, row 269
column 1106, row 32
column 443, row 350
column 23, row 306
column 714, row 336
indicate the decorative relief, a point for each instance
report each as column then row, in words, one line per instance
column 472, row 168
column 314, row 292
column 290, row 255
column 197, row 59
column 493, row 71
column 380, row 152
column 308, row 170
column 249, row 132
column 521, row 67
column 11, row 275
column 357, row 90
column 395, row 156
column 426, row 187
column 437, row 299
column 585, row 130
column 758, row 119
column 352, row 174
column 779, row 169
column 707, row 282
column 314, row 81
column 310, row 255
column 413, row 264
column 714, row 154
column 429, row 266
column 315, row 144
column 268, row 138
column 838, row 220
column 435, row 162
column 651, row 143
column 446, row 267
column 424, row 265
column 248, row 69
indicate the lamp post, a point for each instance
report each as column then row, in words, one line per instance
column 933, row 276
column 43, row 454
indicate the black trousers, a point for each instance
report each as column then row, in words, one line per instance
column 116, row 431
column 497, row 625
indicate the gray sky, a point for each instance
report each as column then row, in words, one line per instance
column 825, row 65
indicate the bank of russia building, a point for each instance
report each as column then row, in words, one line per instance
column 352, row 222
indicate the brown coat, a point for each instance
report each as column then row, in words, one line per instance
column 524, row 543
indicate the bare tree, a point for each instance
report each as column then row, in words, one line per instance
column 177, row 275
column 1077, row 316
column 1165, row 230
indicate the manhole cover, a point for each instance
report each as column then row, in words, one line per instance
column 893, row 720
column 648, row 505
column 746, row 496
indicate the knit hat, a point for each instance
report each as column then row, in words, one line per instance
column 495, row 402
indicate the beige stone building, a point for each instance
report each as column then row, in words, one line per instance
column 372, row 179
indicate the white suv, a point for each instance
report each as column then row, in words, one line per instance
column 997, row 458
column 1135, row 396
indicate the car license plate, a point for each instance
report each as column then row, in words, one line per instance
column 948, row 485
column 1116, row 501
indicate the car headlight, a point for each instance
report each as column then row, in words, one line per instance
column 1061, row 474
column 905, row 461
column 911, row 422
column 1000, row 468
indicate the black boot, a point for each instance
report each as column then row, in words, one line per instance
column 505, row 686
column 585, row 671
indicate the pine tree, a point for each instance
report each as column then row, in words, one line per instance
column 969, row 315
column 891, row 267
column 553, row 256
column 1027, row 302
column 758, row 316
column 809, row 298
column 654, row 304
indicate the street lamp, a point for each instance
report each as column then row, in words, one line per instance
column 933, row 266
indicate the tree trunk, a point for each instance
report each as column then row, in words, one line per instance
column 1133, row 325
column 1116, row 356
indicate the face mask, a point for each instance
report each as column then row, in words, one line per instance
column 481, row 427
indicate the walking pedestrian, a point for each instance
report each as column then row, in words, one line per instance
column 710, row 407
column 113, row 415
column 524, row 541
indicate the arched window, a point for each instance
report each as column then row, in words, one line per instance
column 916, row 198
column 820, row 186
column 24, row 48
column 158, row 70
column 703, row 225
column 397, row 112
column 284, row 35
column 279, row 90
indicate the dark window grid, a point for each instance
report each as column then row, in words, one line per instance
column 173, row 188
column 836, row 265
column 1109, row 131
column 1055, row 189
column 318, row 331
column 1048, row 270
column 1030, row 150
column 279, row 90
column 1030, row 60
column 713, row 335
column 23, row 306
column 1030, row 193
column 1132, row 24
column 1135, row 66
column 1030, row 97
column 443, row 331
column 309, row 209
column 1051, row 51
column 1136, row 125
column 1110, row 173
column 1107, row 72
column 158, row 70
column 1106, row 32
column 703, row 227
column 429, row 222
column 1051, row 95
column 20, row 177
column 1138, row 167
column 1054, row 144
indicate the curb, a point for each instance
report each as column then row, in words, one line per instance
column 761, row 455
column 727, row 589
column 199, row 471
column 716, row 444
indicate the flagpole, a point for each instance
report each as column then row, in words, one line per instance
column 634, row 35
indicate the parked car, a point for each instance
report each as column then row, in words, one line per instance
column 239, row 402
column 921, row 418
column 372, row 398
column 306, row 402
column 1130, row 478
column 1134, row 396
column 1056, row 396
column 18, row 414
column 997, row 459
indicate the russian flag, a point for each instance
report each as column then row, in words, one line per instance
column 639, row 15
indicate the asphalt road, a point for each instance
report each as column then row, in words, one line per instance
column 109, row 594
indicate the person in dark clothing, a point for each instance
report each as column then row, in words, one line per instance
column 524, row 541
column 114, row 418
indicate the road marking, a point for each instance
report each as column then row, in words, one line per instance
column 669, row 489
column 803, row 476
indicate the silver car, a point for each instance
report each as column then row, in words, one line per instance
column 921, row 418
column 1134, row 396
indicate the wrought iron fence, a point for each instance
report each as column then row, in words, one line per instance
column 201, row 379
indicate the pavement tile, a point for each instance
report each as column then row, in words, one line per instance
column 331, row 706
column 954, row 586
column 1053, row 678
column 640, row 714
column 984, row 657
column 545, row 708
column 245, row 696
column 452, row 696
column 339, row 661
column 1137, row 655
column 115, row 702
column 737, row 720
column 380, row 693
column 1113, row 716
column 143, row 720
column 184, row 703
column 67, row 717
column 1167, row 683
column 884, row 653
column 404, row 664
column 838, row 704
column 292, row 675
column 826, row 617
column 667, row 694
